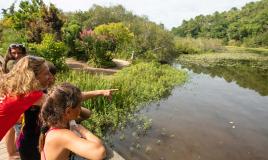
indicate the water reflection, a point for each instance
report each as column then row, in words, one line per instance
column 206, row 119
column 244, row 75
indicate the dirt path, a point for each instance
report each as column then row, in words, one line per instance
column 80, row 65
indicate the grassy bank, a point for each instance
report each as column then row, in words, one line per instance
column 227, row 59
column 235, row 49
column 138, row 85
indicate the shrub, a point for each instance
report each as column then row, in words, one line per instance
column 9, row 36
column 51, row 50
column 98, row 48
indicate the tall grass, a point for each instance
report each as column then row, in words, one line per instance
column 226, row 59
column 235, row 49
column 138, row 85
column 200, row 45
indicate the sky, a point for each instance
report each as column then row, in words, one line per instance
column 171, row 13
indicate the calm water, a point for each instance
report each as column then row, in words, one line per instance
column 220, row 114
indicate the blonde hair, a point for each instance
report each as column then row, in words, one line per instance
column 22, row 78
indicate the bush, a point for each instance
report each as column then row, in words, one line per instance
column 70, row 37
column 9, row 36
column 257, row 41
column 98, row 48
column 51, row 50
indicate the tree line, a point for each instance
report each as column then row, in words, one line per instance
column 96, row 35
column 247, row 26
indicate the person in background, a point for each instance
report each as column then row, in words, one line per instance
column 14, row 53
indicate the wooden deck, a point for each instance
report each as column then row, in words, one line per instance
column 111, row 154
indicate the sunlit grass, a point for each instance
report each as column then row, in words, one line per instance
column 138, row 85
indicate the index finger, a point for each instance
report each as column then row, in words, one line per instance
column 113, row 89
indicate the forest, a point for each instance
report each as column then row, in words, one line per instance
column 247, row 26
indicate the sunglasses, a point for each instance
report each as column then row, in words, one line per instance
column 16, row 45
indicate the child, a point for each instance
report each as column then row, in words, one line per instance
column 57, row 142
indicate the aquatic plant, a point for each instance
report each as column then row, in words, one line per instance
column 138, row 85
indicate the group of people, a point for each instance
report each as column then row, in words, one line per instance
column 37, row 119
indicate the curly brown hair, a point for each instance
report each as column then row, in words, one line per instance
column 59, row 99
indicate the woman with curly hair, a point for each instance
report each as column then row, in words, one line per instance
column 57, row 141
column 21, row 88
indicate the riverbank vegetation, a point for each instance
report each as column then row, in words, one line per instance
column 198, row 45
column 226, row 59
column 138, row 85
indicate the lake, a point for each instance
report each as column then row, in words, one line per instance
column 221, row 113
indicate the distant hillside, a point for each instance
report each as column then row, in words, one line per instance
column 247, row 26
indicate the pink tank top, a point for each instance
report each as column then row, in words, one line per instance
column 11, row 109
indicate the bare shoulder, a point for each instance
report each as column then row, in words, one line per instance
column 59, row 133
column 61, row 136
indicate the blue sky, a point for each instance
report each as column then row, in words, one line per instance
column 169, row 12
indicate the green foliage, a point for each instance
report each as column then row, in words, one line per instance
column 71, row 32
column 33, row 18
column 136, row 85
column 199, row 45
column 52, row 18
column 116, row 31
column 9, row 36
column 98, row 48
column 227, row 59
column 28, row 11
column 118, row 34
column 51, row 50
column 98, row 15
column 151, row 41
column 235, row 49
column 247, row 26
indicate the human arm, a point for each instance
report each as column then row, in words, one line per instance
column 82, row 146
column 84, row 114
column 90, row 94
